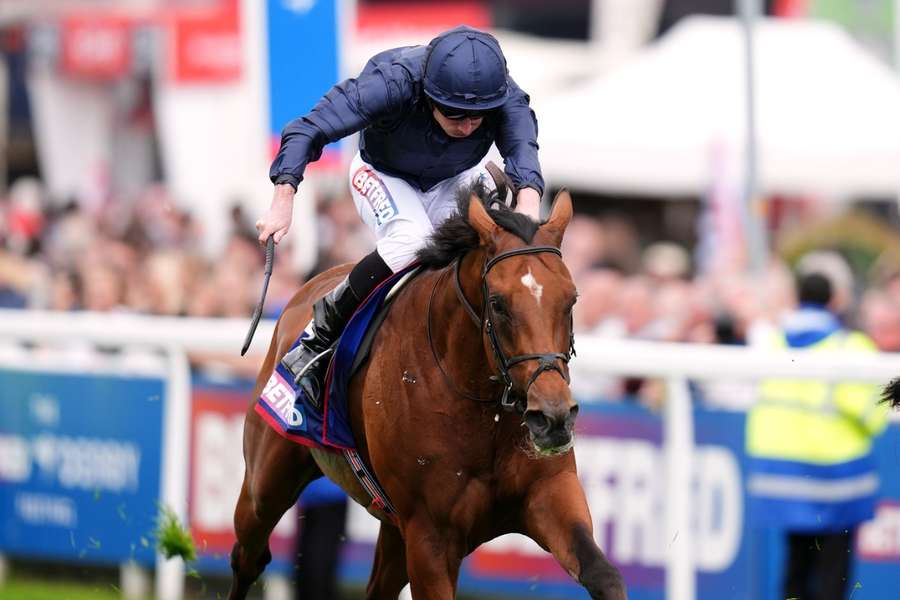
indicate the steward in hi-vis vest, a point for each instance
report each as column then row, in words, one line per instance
column 811, row 470
column 810, row 444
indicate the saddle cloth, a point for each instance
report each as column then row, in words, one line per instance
column 291, row 414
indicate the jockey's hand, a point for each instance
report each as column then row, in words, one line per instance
column 528, row 202
column 277, row 221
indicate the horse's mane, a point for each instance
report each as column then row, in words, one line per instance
column 455, row 236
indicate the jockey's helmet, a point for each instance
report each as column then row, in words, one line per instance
column 466, row 69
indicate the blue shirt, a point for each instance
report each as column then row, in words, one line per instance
column 399, row 134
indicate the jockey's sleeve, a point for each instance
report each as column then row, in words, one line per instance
column 517, row 140
column 348, row 107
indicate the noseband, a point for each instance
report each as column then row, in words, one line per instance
column 547, row 361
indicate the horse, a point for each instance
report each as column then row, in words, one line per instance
column 462, row 411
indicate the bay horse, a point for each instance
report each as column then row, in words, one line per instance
column 487, row 322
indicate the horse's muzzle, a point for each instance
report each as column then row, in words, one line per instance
column 551, row 431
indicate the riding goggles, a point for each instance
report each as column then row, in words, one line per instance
column 457, row 114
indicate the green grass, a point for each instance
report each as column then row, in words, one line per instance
column 172, row 538
column 33, row 589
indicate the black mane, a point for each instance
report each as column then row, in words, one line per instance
column 454, row 237
column 891, row 393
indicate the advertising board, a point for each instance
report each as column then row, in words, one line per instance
column 216, row 473
column 79, row 465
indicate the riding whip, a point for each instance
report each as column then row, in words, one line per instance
column 270, row 258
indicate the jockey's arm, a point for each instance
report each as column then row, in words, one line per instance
column 517, row 142
column 348, row 107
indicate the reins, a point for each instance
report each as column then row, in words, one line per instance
column 547, row 361
column 447, row 379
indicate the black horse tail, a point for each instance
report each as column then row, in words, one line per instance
column 891, row 393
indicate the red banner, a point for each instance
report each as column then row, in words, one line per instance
column 217, row 470
column 384, row 17
column 96, row 47
column 205, row 45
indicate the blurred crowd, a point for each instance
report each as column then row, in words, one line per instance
column 144, row 257
column 663, row 299
column 141, row 257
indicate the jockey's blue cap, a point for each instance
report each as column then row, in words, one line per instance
column 466, row 69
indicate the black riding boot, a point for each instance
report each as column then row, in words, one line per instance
column 309, row 360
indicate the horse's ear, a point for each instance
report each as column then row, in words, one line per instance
column 482, row 222
column 560, row 214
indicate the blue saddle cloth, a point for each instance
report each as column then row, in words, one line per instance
column 287, row 409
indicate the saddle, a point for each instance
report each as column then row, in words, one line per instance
column 292, row 415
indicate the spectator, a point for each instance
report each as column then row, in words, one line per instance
column 636, row 308
column 583, row 245
column 598, row 291
column 664, row 261
column 880, row 319
column 810, row 445
column 103, row 288
column 833, row 267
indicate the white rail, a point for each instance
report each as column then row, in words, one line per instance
column 675, row 362
column 697, row 361
column 193, row 335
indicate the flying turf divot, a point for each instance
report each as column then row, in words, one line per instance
column 172, row 539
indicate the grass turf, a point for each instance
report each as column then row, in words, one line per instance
column 34, row 589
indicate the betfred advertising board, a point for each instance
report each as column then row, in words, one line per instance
column 79, row 466
column 621, row 466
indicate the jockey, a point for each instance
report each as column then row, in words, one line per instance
column 428, row 116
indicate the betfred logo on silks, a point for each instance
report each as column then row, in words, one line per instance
column 279, row 396
column 372, row 189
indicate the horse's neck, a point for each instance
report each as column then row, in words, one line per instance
column 458, row 340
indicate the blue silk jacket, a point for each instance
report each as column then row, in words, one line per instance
column 399, row 134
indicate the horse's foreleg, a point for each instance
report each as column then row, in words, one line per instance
column 389, row 569
column 275, row 475
column 250, row 553
column 433, row 558
column 557, row 517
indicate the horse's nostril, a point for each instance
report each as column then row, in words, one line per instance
column 537, row 421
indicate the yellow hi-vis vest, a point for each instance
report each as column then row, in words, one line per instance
column 809, row 465
column 815, row 422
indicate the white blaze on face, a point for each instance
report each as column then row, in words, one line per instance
column 533, row 286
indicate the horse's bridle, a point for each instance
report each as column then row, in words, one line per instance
column 547, row 361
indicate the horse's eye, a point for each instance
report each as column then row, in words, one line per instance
column 498, row 306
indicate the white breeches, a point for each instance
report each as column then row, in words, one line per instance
column 401, row 216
